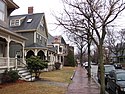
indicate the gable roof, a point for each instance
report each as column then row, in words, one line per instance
column 50, row 39
column 36, row 18
column 59, row 39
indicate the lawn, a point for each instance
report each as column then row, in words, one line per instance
column 54, row 82
column 62, row 75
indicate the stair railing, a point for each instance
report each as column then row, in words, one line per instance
column 20, row 63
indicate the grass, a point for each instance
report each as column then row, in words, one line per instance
column 62, row 75
column 39, row 87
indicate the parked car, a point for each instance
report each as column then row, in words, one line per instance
column 117, row 66
column 85, row 64
column 116, row 81
column 108, row 68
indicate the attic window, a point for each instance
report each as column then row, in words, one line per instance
column 15, row 22
column 29, row 20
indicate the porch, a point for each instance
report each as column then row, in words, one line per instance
column 13, row 63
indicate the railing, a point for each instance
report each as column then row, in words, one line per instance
column 13, row 62
column 20, row 62
column 4, row 62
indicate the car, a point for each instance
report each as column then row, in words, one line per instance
column 93, row 63
column 117, row 66
column 107, row 68
column 116, row 81
column 86, row 65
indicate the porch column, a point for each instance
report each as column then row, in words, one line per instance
column 35, row 52
column 8, row 50
column 23, row 52
column 45, row 52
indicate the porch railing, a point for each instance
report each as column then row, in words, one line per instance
column 14, row 62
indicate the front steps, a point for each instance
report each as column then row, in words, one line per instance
column 25, row 74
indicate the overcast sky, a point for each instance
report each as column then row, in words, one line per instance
column 40, row 6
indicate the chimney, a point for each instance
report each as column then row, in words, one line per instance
column 30, row 10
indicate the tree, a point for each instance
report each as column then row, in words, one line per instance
column 70, row 59
column 35, row 65
column 115, row 43
column 80, row 42
column 91, row 17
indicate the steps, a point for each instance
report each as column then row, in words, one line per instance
column 25, row 74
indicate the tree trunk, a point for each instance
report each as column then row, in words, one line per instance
column 89, row 61
column 81, row 60
column 101, row 64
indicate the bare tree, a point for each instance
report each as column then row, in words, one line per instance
column 80, row 42
column 91, row 17
column 115, row 41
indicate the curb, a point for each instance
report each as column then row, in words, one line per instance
column 73, row 75
column 98, row 84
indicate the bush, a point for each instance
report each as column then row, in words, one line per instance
column 10, row 76
column 57, row 65
column 35, row 65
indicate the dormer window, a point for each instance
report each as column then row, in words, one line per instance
column 16, row 22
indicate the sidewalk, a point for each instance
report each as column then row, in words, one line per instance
column 81, row 85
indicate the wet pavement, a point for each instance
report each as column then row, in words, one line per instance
column 81, row 84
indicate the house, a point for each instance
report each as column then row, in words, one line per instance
column 118, row 53
column 60, row 45
column 33, row 27
column 9, row 38
column 22, row 36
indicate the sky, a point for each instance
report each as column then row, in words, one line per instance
column 42, row 6
column 53, row 6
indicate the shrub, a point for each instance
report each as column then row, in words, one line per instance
column 10, row 76
column 57, row 65
column 35, row 65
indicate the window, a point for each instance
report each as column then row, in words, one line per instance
column 1, row 50
column 12, row 22
column 29, row 20
column 37, row 36
column 41, row 26
column 15, row 22
column 2, row 10
column 60, row 49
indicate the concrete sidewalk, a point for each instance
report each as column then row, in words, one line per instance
column 81, row 84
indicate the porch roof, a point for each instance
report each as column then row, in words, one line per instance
column 6, row 31
column 35, row 45
column 53, row 49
